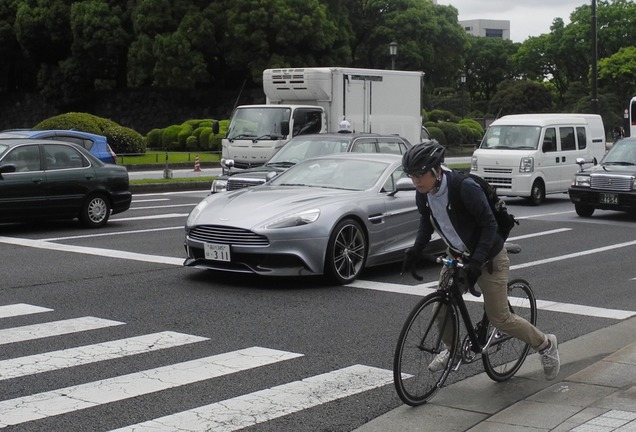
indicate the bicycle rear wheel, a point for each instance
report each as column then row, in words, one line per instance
column 506, row 354
column 419, row 343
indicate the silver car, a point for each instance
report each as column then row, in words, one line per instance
column 333, row 216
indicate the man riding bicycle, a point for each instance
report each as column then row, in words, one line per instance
column 469, row 230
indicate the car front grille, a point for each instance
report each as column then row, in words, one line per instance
column 234, row 184
column 615, row 183
column 227, row 235
column 499, row 183
column 498, row 170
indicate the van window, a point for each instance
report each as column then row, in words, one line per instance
column 581, row 137
column 549, row 140
column 567, row 138
column 511, row 137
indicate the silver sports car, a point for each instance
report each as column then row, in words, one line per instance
column 332, row 216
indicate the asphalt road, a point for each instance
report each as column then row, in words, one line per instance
column 104, row 329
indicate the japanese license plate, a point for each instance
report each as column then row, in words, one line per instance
column 216, row 252
column 609, row 198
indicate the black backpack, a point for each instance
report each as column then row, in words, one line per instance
column 505, row 220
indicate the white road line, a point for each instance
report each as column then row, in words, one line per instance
column 538, row 234
column 162, row 216
column 252, row 409
column 74, row 398
column 149, row 200
column 54, row 328
column 110, row 234
column 8, row 311
column 70, row 357
column 93, row 251
column 424, row 289
column 163, row 206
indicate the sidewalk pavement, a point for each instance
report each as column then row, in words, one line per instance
column 594, row 392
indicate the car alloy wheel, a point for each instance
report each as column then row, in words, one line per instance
column 346, row 252
column 95, row 212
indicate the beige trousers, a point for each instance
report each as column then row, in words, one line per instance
column 494, row 287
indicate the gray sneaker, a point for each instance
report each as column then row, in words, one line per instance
column 550, row 358
column 439, row 362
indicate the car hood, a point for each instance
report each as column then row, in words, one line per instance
column 611, row 169
column 253, row 206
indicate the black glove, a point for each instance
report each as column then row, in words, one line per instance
column 412, row 257
column 473, row 271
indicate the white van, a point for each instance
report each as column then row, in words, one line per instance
column 531, row 155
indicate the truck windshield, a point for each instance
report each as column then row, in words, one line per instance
column 255, row 122
column 511, row 137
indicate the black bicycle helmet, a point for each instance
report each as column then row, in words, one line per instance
column 423, row 157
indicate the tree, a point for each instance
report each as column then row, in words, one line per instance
column 619, row 72
column 488, row 64
column 521, row 96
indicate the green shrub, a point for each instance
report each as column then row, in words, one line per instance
column 437, row 134
column 121, row 139
column 438, row 115
column 170, row 138
column 124, row 140
column 182, row 136
column 452, row 132
column 153, row 138
column 192, row 143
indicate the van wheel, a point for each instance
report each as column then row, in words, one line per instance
column 584, row 210
column 537, row 193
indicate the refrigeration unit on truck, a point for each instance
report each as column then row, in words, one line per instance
column 314, row 100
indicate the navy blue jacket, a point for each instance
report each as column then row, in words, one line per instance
column 470, row 214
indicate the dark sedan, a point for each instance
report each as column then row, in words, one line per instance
column 304, row 147
column 610, row 185
column 44, row 179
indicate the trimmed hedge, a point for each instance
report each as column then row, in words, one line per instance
column 121, row 139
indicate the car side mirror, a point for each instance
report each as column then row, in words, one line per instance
column 403, row 184
column 7, row 168
column 284, row 128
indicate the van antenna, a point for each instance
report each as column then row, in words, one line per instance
column 498, row 113
column 239, row 95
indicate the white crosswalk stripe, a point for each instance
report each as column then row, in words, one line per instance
column 55, row 328
column 50, row 361
column 251, row 409
column 223, row 416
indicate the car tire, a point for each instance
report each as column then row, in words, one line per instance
column 584, row 210
column 95, row 211
column 346, row 252
column 537, row 193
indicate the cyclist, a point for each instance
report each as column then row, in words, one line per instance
column 469, row 230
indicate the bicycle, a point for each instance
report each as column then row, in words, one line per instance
column 420, row 340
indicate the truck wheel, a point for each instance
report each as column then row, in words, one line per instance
column 537, row 193
column 584, row 210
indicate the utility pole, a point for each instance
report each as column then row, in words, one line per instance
column 594, row 102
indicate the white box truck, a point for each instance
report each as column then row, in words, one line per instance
column 314, row 100
column 531, row 155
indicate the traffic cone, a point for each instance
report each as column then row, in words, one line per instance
column 197, row 163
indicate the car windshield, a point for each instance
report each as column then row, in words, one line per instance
column 511, row 137
column 623, row 152
column 301, row 148
column 350, row 174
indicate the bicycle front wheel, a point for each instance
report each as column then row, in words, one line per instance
column 419, row 343
column 506, row 354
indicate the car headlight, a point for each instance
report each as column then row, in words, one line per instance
column 296, row 219
column 473, row 163
column 218, row 185
column 194, row 214
column 526, row 165
column 582, row 181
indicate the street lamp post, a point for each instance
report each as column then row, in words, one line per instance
column 393, row 46
column 594, row 102
column 462, row 78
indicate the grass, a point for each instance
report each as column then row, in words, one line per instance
column 153, row 157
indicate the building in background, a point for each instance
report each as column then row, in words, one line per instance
column 487, row 28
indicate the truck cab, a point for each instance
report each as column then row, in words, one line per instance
column 256, row 132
